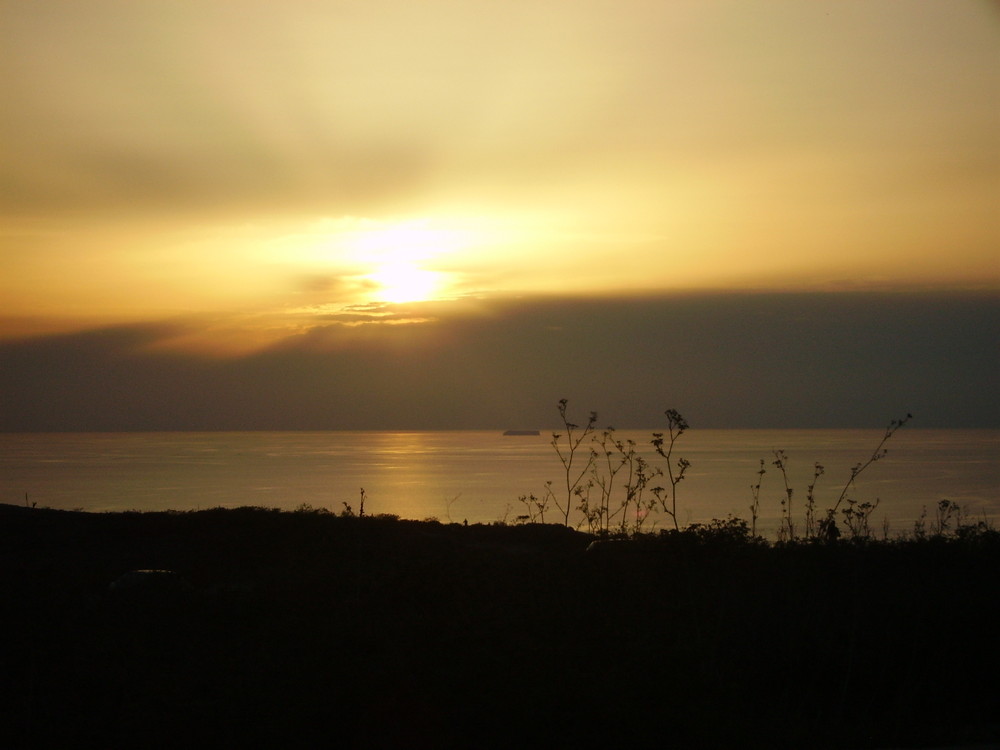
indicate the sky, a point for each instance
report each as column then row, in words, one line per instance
column 395, row 215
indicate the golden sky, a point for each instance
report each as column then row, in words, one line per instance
column 275, row 161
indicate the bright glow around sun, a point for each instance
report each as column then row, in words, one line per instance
column 401, row 260
column 401, row 281
column 398, row 255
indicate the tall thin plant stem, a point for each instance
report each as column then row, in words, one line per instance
column 828, row 526
column 877, row 454
column 568, row 456
column 676, row 426
column 787, row 527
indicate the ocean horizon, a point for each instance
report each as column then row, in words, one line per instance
column 478, row 476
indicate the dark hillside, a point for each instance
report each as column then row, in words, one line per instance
column 307, row 629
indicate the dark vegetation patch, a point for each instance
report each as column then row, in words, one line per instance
column 309, row 629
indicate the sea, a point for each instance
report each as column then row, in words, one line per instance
column 481, row 476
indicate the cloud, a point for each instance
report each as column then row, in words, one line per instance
column 767, row 360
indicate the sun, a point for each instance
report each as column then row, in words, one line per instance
column 398, row 256
column 393, row 261
column 403, row 281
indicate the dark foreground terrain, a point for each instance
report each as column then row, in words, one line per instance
column 306, row 629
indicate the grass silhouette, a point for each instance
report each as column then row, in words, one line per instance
column 596, row 464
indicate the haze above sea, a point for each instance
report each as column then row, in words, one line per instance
column 478, row 476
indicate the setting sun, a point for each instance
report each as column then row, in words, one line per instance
column 402, row 281
column 397, row 255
